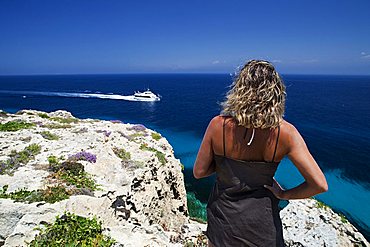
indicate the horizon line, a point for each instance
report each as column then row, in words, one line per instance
column 172, row 73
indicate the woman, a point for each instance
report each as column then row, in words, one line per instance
column 244, row 147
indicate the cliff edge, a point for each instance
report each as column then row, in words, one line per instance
column 126, row 176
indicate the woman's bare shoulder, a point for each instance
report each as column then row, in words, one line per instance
column 215, row 125
column 287, row 127
column 217, row 121
column 290, row 135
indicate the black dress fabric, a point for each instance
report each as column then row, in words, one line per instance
column 240, row 211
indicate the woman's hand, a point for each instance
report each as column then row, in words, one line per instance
column 276, row 189
column 300, row 156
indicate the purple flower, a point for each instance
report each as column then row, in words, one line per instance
column 116, row 121
column 83, row 155
column 123, row 135
column 137, row 127
column 107, row 133
column 39, row 123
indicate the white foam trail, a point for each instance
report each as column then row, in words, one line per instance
column 73, row 95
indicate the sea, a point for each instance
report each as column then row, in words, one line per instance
column 332, row 113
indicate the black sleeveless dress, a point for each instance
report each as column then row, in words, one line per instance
column 240, row 211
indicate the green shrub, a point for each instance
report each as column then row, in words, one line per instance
column 64, row 120
column 53, row 160
column 320, row 204
column 49, row 136
column 122, row 154
column 73, row 173
column 57, row 126
column 72, row 230
column 15, row 125
column 343, row 218
column 145, row 147
column 43, row 115
column 80, row 180
column 51, row 194
column 156, row 136
column 133, row 136
column 17, row 158
column 33, row 149
column 161, row 156
column 54, row 194
column 197, row 209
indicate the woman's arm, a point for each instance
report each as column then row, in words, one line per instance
column 298, row 153
column 203, row 166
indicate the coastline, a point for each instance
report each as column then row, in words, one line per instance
column 136, row 165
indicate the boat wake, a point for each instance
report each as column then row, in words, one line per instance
column 72, row 95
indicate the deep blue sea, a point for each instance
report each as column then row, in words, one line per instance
column 331, row 112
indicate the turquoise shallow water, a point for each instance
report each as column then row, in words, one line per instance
column 331, row 112
column 344, row 196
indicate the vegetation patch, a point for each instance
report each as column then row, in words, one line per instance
column 15, row 125
column 320, row 204
column 161, row 156
column 83, row 155
column 122, row 154
column 67, row 120
column 16, row 159
column 71, row 173
column 57, row 126
column 43, row 115
column 156, row 136
column 81, row 180
column 51, row 194
column 72, row 230
column 343, row 218
column 49, row 136
column 197, row 209
column 68, row 172
column 133, row 137
column 53, row 160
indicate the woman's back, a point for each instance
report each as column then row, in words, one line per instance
column 240, row 211
column 237, row 142
column 244, row 150
column 244, row 156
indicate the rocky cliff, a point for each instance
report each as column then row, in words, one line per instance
column 126, row 176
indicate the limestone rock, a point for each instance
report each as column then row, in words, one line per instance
column 307, row 224
column 142, row 197
column 142, row 201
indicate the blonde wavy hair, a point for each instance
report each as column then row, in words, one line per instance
column 257, row 96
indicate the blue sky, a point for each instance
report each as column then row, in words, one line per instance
column 69, row 37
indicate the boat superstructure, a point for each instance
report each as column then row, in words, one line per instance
column 146, row 96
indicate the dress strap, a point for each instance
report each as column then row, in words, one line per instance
column 277, row 141
column 245, row 133
column 223, row 136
